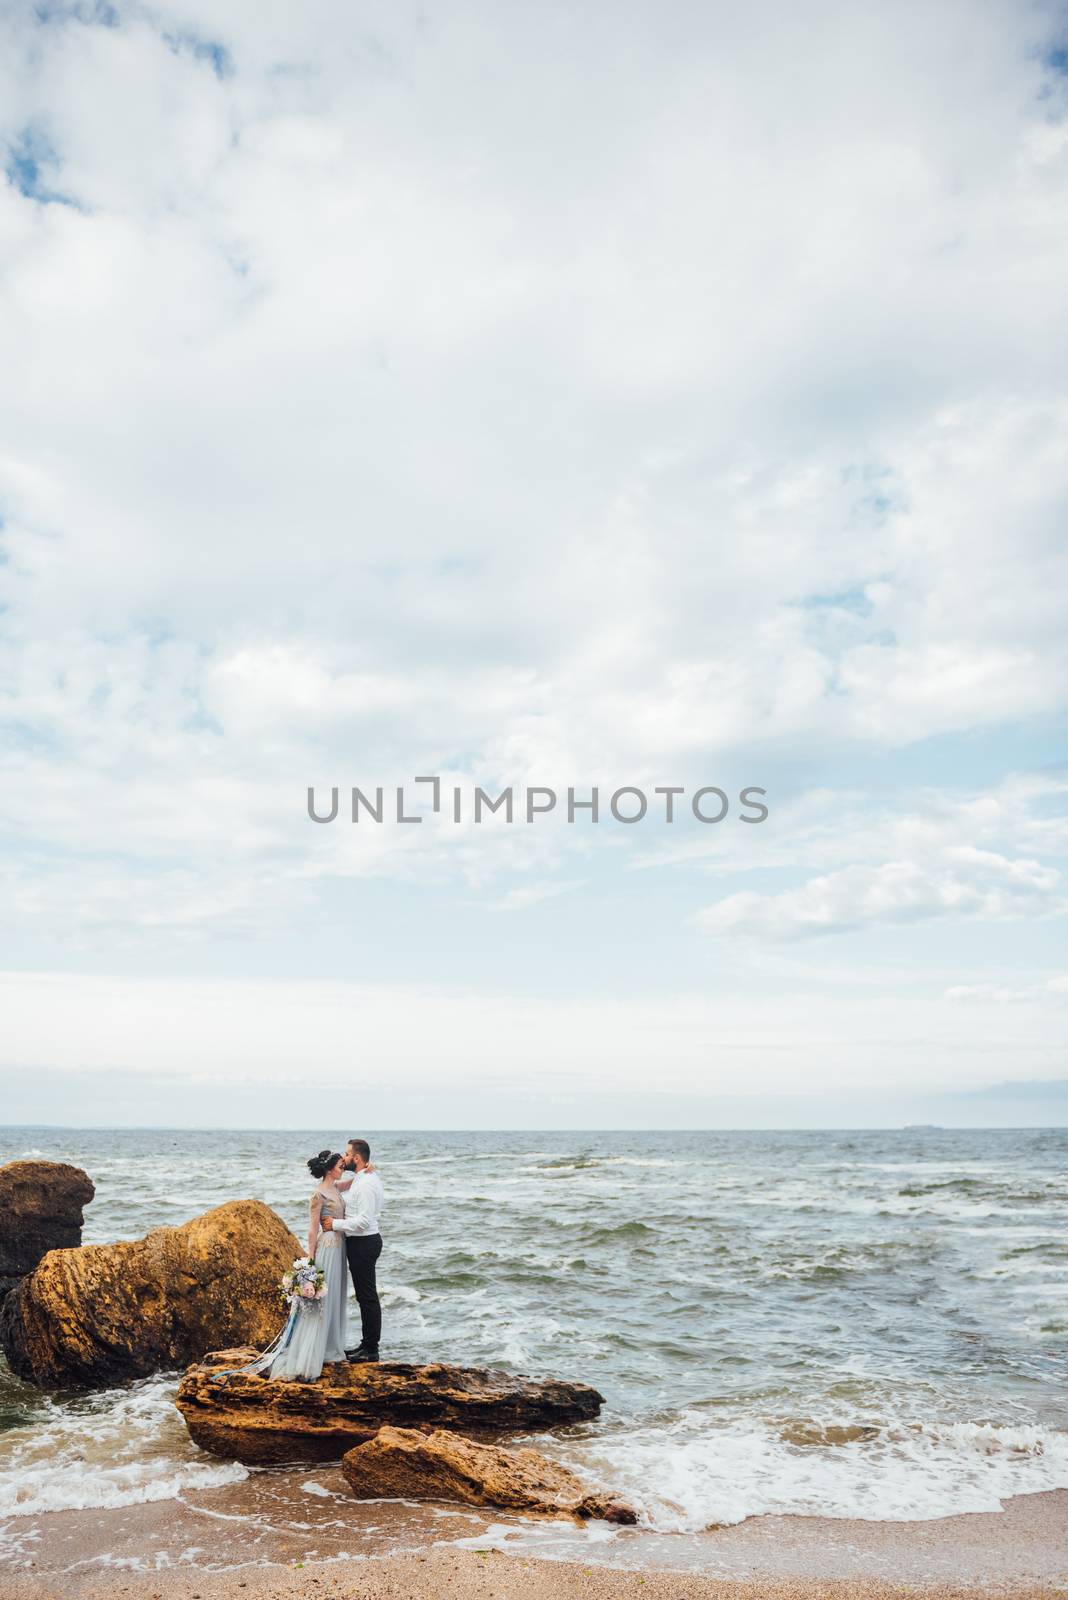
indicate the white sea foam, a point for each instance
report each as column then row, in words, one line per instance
column 116, row 1448
column 689, row 1476
column 70, row 1487
column 583, row 1165
column 399, row 1294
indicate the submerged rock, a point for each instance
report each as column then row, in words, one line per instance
column 258, row 1420
column 104, row 1313
column 41, row 1205
column 406, row 1464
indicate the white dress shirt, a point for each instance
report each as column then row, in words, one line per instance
column 364, row 1199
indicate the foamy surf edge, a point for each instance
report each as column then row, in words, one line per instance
column 688, row 1477
column 106, row 1489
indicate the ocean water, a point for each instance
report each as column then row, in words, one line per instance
column 869, row 1324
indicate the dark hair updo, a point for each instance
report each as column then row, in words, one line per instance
column 320, row 1165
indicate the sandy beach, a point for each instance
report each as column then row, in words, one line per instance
column 465, row 1575
column 489, row 1575
column 269, row 1538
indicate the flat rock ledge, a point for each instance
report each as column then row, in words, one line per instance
column 41, row 1206
column 262, row 1420
column 406, row 1464
column 103, row 1314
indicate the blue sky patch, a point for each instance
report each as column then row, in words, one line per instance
column 31, row 162
column 215, row 54
column 97, row 15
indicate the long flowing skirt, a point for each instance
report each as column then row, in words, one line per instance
column 316, row 1334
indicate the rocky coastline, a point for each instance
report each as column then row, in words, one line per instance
column 204, row 1297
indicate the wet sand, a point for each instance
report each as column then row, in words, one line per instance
column 285, row 1533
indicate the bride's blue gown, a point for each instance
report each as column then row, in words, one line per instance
column 318, row 1335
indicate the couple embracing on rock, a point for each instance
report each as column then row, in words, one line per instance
column 346, row 1206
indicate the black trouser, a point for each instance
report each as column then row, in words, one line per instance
column 363, row 1250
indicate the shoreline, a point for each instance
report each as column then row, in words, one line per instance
column 286, row 1532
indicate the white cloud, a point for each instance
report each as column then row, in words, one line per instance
column 1001, row 994
column 939, row 855
column 962, row 882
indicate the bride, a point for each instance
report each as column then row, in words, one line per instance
column 317, row 1335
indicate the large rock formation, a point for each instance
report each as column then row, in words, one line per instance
column 405, row 1464
column 41, row 1204
column 108, row 1312
column 259, row 1420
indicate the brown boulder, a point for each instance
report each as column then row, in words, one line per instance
column 41, row 1205
column 259, row 1420
column 105, row 1313
column 405, row 1464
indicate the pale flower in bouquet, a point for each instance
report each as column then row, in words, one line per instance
column 304, row 1285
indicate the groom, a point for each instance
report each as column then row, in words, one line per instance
column 363, row 1243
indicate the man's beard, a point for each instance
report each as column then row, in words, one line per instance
column 350, row 1166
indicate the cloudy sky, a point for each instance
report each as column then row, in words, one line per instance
column 533, row 395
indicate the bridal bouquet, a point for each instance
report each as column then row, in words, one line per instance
column 303, row 1285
